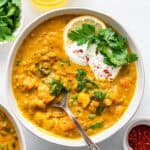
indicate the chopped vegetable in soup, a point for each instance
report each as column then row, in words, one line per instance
column 43, row 72
column 8, row 136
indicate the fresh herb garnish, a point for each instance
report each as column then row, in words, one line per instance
column 2, row 2
column 7, row 129
column 83, row 81
column 96, row 125
column 98, row 95
column 114, row 48
column 56, row 88
column 110, row 44
column 9, row 18
column 132, row 57
column 74, row 99
column 83, row 35
column 99, row 110
column 42, row 70
column 17, row 2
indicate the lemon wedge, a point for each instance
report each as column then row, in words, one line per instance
column 76, row 52
column 78, row 21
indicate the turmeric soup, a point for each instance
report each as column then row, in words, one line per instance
column 8, row 136
column 43, row 72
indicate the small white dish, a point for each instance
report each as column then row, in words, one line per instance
column 134, row 123
column 16, row 125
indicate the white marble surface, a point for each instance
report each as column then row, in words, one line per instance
column 134, row 15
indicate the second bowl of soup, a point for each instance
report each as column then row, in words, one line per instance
column 11, row 136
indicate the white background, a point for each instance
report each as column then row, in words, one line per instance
column 134, row 15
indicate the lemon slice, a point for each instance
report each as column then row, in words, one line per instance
column 49, row 3
column 78, row 21
column 75, row 52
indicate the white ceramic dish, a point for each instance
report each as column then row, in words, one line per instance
column 16, row 125
column 17, row 31
column 105, row 134
column 134, row 123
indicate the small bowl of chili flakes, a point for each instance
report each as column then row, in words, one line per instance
column 137, row 135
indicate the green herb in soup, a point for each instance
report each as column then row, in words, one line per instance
column 96, row 125
column 83, row 81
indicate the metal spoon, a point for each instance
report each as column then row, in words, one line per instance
column 64, row 105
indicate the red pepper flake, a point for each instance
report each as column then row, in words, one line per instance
column 78, row 51
column 87, row 58
column 98, row 67
column 139, row 137
column 106, row 71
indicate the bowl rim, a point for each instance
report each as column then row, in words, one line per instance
column 106, row 133
column 131, row 125
column 15, row 124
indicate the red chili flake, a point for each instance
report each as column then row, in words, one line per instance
column 78, row 51
column 106, row 71
column 98, row 66
column 139, row 137
column 87, row 58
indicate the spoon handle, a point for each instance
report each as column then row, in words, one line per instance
column 91, row 145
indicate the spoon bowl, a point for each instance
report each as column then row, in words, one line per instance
column 64, row 105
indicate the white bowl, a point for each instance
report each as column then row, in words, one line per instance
column 16, row 126
column 131, row 125
column 108, row 132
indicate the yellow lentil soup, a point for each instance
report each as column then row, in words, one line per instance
column 42, row 71
column 8, row 136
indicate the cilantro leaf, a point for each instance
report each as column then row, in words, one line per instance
column 110, row 44
column 80, row 74
column 74, row 99
column 42, row 70
column 132, row 57
column 3, row 2
column 99, row 110
column 98, row 95
column 56, row 88
column 17, row 2
column 97, row 125
column 9, row 19
column 5, row 32
column 83, row 81
column 111, row 39
column 11, row 10
column 83, row 35
column 114, row 48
